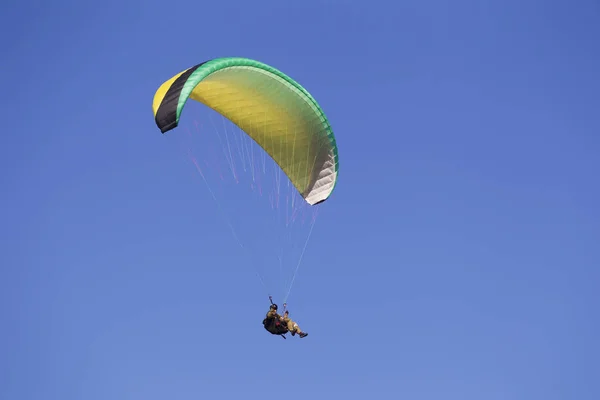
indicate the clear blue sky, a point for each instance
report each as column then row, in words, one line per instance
column 468, row 269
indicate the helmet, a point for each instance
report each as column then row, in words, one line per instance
column 273, row 306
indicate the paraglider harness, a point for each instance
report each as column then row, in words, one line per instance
column 274, row 325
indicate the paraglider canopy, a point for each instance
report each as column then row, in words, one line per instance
column 269, row 106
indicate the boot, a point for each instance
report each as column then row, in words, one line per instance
column 303, row 334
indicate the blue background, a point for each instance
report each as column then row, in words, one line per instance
column 457, row 258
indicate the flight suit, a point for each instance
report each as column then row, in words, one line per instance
column 276, row 322
column 292, row 326
column 273, row 314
